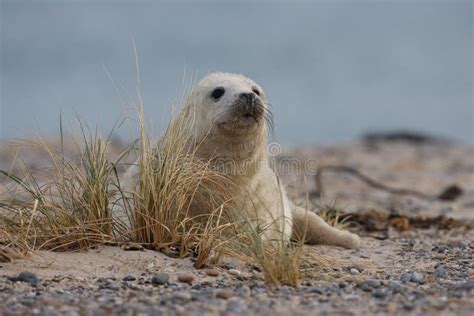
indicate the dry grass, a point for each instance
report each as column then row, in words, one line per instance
column 279, row 260
column 177, row 193
column 66, row 206
column 334, row 215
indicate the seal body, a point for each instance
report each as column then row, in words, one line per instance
column 229, row 118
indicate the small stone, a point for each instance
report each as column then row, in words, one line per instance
column 380, row 293
column 365, row 287
column 224, row 293
column 317, row 289
column 357, row 267
column 160, row 279
column 373, row 283
column 395, row 286
column 342, row 285
column 350, row 297
column 440, row 273
column 212, row 272
column 129, row 278
column 468, row 286
column 417, row 277
column 354, row 271
column 369, row 284
column 27, row 277
column 112, row 286
column 182, row 296
column 406, row 277
column 186, row 277
column 234, row 272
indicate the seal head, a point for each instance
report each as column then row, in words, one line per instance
column 231, row 103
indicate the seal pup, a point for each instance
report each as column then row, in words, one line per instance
column 229, row 120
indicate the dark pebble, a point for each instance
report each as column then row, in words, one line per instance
column 129, row 278
column 468, row 286
column 27, row 277
column 380, row 293
column 160, row 279
column 317, row 289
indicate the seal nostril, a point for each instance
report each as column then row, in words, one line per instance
column 256, row 91
column 247, row 96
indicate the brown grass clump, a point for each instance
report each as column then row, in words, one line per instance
column 177, row 194
column 65, row 207
column 279, row 260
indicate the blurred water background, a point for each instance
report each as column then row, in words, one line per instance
column 332, row 69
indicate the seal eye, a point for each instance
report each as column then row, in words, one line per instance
column 256, row 91
column 217, row 93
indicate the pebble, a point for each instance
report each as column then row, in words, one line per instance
column 370, row 284
column 27, row 277
column 380, row 293
column 182, row 296
column 212, row 272
column 468, row 286
column 317, row 289
column 187, row 277
column 234, row 272
column 417, row 277
column 395, row 286
column 406, row 277
column 129, row 278
column 160, row 279
column 354, row 271
column 440, row 273
column 224, row 293
column 112, row 286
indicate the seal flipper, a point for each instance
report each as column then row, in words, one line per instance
column 318, row 232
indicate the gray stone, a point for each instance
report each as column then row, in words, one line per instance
column 417, row 277
column 468, row 286
column 160, row 279
column 113, row 286
column 373, row 283
column 406, row 277
column 396, row 287
column 27, row 277
column 380, row 293
column 440, row 273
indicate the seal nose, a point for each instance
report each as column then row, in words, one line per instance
column 248, row 97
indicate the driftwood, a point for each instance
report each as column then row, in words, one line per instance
column 450, row 193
